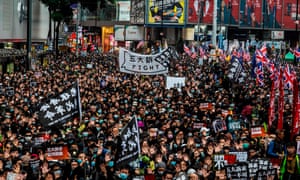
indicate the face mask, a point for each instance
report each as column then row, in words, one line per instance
column 229, row 118
column 202, row 154
column 116, row 116
column 123, row 176
column 99, row 111
column 170, row 136
column 57, row 172
column 245, row 145
column 85, row 134
column 160, row 172
column 93, row 163
column 98, row 128
column 27, row 138
column 110, row 164
column 79, row 161
column 173, row 163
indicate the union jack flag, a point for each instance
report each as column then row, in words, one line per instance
column 187, row 49
column 273, row 71
column 260, row 57
column 247, row 56
column 288, row 77
column 259, row 74
column 264, row 50
column 201, row 52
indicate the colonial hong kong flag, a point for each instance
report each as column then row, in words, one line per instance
column 259, row 74
column 288, row 77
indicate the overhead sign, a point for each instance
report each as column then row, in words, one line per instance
column 134, row 33
column 277, row 35
column 123, row 10
column 119, row 32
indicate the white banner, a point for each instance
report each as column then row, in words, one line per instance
column 175, row 82
column 131, row 62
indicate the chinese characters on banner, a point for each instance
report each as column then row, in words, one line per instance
column 128, row 147
column 60, row 108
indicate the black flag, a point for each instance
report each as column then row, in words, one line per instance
column 60, row 108
column 128, row 147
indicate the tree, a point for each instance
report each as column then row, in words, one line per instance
column 59, row 11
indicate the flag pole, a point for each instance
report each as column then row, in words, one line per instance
column 79, row 100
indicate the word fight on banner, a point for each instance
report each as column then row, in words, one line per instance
column 132, row 63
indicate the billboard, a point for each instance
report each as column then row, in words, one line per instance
column 200, row 11
column 289, row 14
column 228, row 12
column 123, row 11
column 137, row 12
column 251, row 13
column 272, row 10
column 170, row 12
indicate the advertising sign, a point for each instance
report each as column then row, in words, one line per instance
column 251, row 13
column 124, row 11
column 228, row 12
column 134, row 33
column 289, row 14
column 200, row 11
column 272, row 10
column 119, row 32
column 137, row 12
column 165, row 12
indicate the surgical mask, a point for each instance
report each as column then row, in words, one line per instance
column 123, row 176
column 28, row 138
column 110, row 164
column 93, row 163
column 202, row 154
column 98, row 128
column 170, row 136
column 85, row 134
column 57, row 172
column 160, row 172
column 245, row 145
column 116, row 116
column 79, row 161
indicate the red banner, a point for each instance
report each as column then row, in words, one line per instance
column 280, row 101
column 58, row 153
column 295, row 109
column 272, row 104
column 289, row 14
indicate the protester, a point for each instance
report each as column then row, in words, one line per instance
column 181, row 128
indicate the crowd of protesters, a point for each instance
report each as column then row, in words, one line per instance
column 171, row 146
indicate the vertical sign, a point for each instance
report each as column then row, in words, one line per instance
column 137, row 12
column 124, row 10
column 251, row 13
column 289, row 14
column 228, row 12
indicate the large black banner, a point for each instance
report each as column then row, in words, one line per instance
column 60, row 108
column 128, row 144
